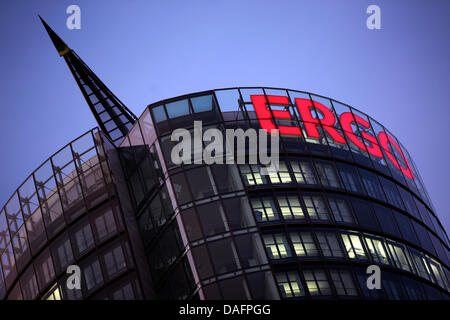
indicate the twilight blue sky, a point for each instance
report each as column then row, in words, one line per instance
column 150, row 50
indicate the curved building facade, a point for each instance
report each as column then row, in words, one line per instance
column 140, row 225
column 347, row 195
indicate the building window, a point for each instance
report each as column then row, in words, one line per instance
column 343, row 283
column 289, row 284
column 290, row 207
column 114, row 261
column 29, row 284
column 354, row 246
column 304, row 245
column 377, row 250
column 392, row 193
column 317, row 283
column 303, row 172
column 329, row 245
column 280, row 176
column 341, row 210
column 251, row 175
column 399, row 255
column 372, row 185
column 83, row 238
column 277, row 246
column 265, row 209
column 92, row 275
column 64, row 255
column 328, row 175
column 105, row 225
column 350, row 178
column 124, row 293
column 316, row 208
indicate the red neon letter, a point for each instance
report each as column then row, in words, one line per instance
column 265, row 116
column 384, row 138
column 346, row 120
column 328, row 121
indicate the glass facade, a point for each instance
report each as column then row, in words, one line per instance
column 347, row 195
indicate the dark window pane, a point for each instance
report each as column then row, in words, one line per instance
column 262, row 286
column 251, row 250
column 204, row 267
column 386, row 220
column 365, row 214
column 181, row 188
column 371, row 184
column 223, row 255
column 227, row 177
column 239, row 213
column 404, row 224
column 235, row 289
column 201, row 182
column 212, row 218
column 191, row 224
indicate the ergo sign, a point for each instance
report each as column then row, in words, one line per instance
column 266, row 116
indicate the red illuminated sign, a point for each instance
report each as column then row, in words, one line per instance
column 327, row 119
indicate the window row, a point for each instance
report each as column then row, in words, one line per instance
column 66, row 248
column 341, row 176
column 217, row 217
column 217, row 258
column 333, row 281
column 96, row 270
column 354, row 246
column 206, row 182
column 185, row 114
column 326, row 208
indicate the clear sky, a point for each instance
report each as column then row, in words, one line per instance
column 146, row 51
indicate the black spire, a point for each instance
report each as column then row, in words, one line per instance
column 112, row 116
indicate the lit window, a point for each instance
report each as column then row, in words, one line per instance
column 290, row 207
column 421, row 264
column 280, row 176
column 353, row 246
column 251, row 175
column 265, row 209
column 303, row 172
column 399, row 255
column 329, row 244
column 343, row 283
column 438, row 273
column 316, row 208
column 54, row 293
column 289, row 284
column 304, row 245
column 341, row 210
column 317, row 283
column 277, row 246
column 377, row 250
